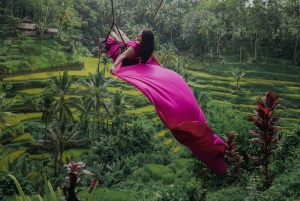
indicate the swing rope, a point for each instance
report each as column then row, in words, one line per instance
column 155, row 13
column 123, row 43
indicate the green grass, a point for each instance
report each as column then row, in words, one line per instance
column 142, row 110
column 32, row 91
column 39, row 157
column 156, row 171
column 162, row 133
column 22, row 138
column 104, row 194
column 15, row 120
column 11, row 156
column 133, row 92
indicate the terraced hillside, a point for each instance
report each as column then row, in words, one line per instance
column 216, row 80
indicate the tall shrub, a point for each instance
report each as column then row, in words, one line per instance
column 234, row 159
column 265, row 133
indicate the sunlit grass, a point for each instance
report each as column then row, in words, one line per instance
column 293, row 88
column 24, row 137
column 11, row 156
column 213, row 77
column 291, row 119
column 167, row 142
column 247, row 106
column 162, row 133
column 29, row 76
column 39, row 157
column 176, row 149
column 15, row 120
column 206, row 86
column 294, row 110
column 146, row 109
column 155, row 119
column 227, row 95
column 297, row 96
column 32, row 91
column 91, row 65
column 133, row 92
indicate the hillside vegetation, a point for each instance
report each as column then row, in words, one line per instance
column 56, row 109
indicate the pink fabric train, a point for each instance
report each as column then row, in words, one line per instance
column 177, row 108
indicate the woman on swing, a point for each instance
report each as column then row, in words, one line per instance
column 171, row 96
column 139, row 50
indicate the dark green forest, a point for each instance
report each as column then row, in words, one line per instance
column 67, row 134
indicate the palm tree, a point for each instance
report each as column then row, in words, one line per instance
column 237, row 75
column 180, row 65
column 118, row 106
column 60, row 88
column 170, row 25
column 45, row 104
column 59, row 136
column 94, row 91
column 105, row 61
column 203, row 99
column 167, row 53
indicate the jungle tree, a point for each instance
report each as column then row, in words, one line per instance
column 117, row 107
column 60, row 88
column 93, row 92
column 237, row 75
column 45, row 104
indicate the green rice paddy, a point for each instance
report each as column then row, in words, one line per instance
column 142, row 110
column 221, row 88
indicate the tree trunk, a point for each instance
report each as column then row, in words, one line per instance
column 46, row 14
column 255, row 46
column 240, row 54
column 267, row 51
column 295, row 51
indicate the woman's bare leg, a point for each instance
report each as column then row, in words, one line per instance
column 123, row 35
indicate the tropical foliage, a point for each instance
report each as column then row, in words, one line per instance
column 56, row 108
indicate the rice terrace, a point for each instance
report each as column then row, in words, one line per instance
column 68, row 132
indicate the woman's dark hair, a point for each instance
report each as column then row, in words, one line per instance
column 147, row 45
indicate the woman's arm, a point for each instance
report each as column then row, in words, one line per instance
column 154, row 58
column 127, row 54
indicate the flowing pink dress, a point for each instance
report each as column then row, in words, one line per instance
column 176, row 106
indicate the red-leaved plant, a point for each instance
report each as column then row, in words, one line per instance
column 73, row 179
column 265, row 133
column 235, row 160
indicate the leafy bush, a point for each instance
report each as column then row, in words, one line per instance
column 145, row 176
column 11, row 157
column 184, row 191
column 286, row 186
column 113, row 195
column 156, row 171
column 39, row 157
column 168, row 178
column 228, row 194
column 8, row 188
column 8, row 42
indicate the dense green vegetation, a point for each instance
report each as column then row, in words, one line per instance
column 55, row 108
